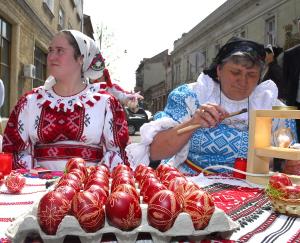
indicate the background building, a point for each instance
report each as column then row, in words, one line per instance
column 26, row 28
column 274, row 22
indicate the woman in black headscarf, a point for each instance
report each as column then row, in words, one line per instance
column 230, row 84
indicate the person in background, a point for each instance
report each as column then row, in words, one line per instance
column 126, row 98
column 291, row 94
column 68, row 117
column 291, row 77
column 230, row 84
column 273, row 71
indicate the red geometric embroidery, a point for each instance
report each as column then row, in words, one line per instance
column 12, row 140
column 57, row 126
column 119, row 127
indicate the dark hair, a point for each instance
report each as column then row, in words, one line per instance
column 251, row 50
column 72, row 41
column 245, row 60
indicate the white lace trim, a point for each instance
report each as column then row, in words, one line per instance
column 263, row 97
column 85, row 98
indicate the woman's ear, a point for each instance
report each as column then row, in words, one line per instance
column 81, row 60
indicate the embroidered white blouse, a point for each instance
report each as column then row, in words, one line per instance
column 207, row 146
column 46, row 129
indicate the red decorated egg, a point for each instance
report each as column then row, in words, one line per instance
column 167, row 177
column 279, row 181
column 176, row 182
column 163, row 210
column 79, row 174
column 185, row 189
column 147, row 182
column 97, row 181
column 145, row 177
column 52, row 208
column 122, row 179
column 291, row 192
column 71, row 176
column 68, row 182
column 163, row 169
column 200, row 206
column 151, row 190
column 99, row 192
column 138, row 174
column 68, row 191
column 123, row 211
column 120, row 168
column 128, row 189
column 76, row 163
column 89, row 211
column 15, row 182
column 139, row 168
column 99, row 174
column 103, row 168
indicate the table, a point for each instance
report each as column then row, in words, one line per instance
column 244, row 202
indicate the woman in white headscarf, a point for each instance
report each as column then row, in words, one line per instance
column 68, row 117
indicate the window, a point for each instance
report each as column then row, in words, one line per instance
column 40, row 60
column 49, row 4
column 61, row 19
column 188, row 70
column 270, row 31
column 79, row 6
column 5, row 48
column 177, row 73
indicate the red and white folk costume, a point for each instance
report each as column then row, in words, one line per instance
column 47, row 129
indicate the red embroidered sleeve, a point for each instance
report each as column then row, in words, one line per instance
column 119, row 127
column 12, row 140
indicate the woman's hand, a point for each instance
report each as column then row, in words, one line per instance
column 209, row 115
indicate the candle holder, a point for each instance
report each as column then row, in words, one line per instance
column 260, row 150
column 6, row 160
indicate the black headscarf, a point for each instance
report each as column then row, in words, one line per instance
column 252, row 49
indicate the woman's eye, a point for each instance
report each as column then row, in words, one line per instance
column 252, row 75
column 235, row 73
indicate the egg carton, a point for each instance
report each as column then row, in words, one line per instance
column 220, row 224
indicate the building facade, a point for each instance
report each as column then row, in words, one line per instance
column 26, row 28
column 274, row 22
column 152, row 79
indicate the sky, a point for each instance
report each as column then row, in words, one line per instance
column 137, row 29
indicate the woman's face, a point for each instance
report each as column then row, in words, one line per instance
column 237, row 81
column 60, row 60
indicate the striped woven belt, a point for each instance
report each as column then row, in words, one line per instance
column 197, row 168
column 67, row 151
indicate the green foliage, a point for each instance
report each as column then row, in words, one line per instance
column 273, row 192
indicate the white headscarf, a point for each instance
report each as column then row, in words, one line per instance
column 93, row 62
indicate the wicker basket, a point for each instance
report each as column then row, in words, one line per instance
column 290, row 207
